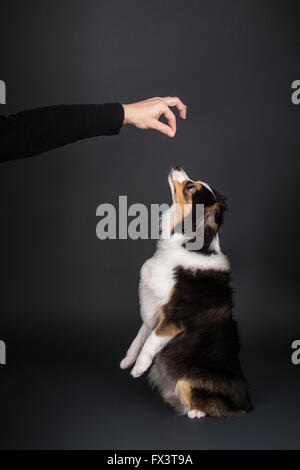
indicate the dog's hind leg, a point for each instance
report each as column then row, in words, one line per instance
column 166, row 387
column 183, row 391
column 201, row 401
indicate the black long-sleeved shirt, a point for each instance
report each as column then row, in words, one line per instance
column 35, row 131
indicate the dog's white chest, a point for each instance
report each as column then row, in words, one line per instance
column 156, row 284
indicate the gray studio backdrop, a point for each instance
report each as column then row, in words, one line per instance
column 69, row 303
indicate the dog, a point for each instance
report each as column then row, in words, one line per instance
column 188, row 336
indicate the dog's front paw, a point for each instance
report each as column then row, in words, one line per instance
column 126, row 362
column 196, row 414
column 137, row 372
column 140, row 367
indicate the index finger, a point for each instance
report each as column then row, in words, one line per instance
column 175, row 101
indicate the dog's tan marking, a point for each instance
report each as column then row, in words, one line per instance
column 198, row 185
column 183, row 390
column 171, row 293
column 183, row 200
column 166, row 327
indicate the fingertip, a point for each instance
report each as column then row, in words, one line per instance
column 170, row 131
column 183, row 114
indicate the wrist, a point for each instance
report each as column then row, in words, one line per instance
column 127, row 119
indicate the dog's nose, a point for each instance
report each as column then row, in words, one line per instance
column 178, row 174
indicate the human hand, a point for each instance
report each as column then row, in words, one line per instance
column 145, row 114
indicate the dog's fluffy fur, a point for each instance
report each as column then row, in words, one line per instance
column 188, row 335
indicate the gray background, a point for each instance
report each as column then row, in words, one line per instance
column 69, row 304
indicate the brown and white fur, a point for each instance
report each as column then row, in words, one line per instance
column 188, row 334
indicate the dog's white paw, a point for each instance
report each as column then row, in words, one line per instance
column 137, row 371
column 126, row 362
column 142, row 364
column 196, row 414
column 140, row 367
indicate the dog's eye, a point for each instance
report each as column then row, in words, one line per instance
column 190, row 186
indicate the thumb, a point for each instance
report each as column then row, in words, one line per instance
column 161, row 127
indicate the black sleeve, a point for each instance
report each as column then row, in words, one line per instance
column 35, row 131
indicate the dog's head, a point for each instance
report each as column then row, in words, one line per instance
column 187, row 194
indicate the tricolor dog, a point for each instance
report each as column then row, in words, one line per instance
column 188, row 338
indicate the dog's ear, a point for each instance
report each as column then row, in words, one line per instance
column 221, row 203
column 214, row 214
